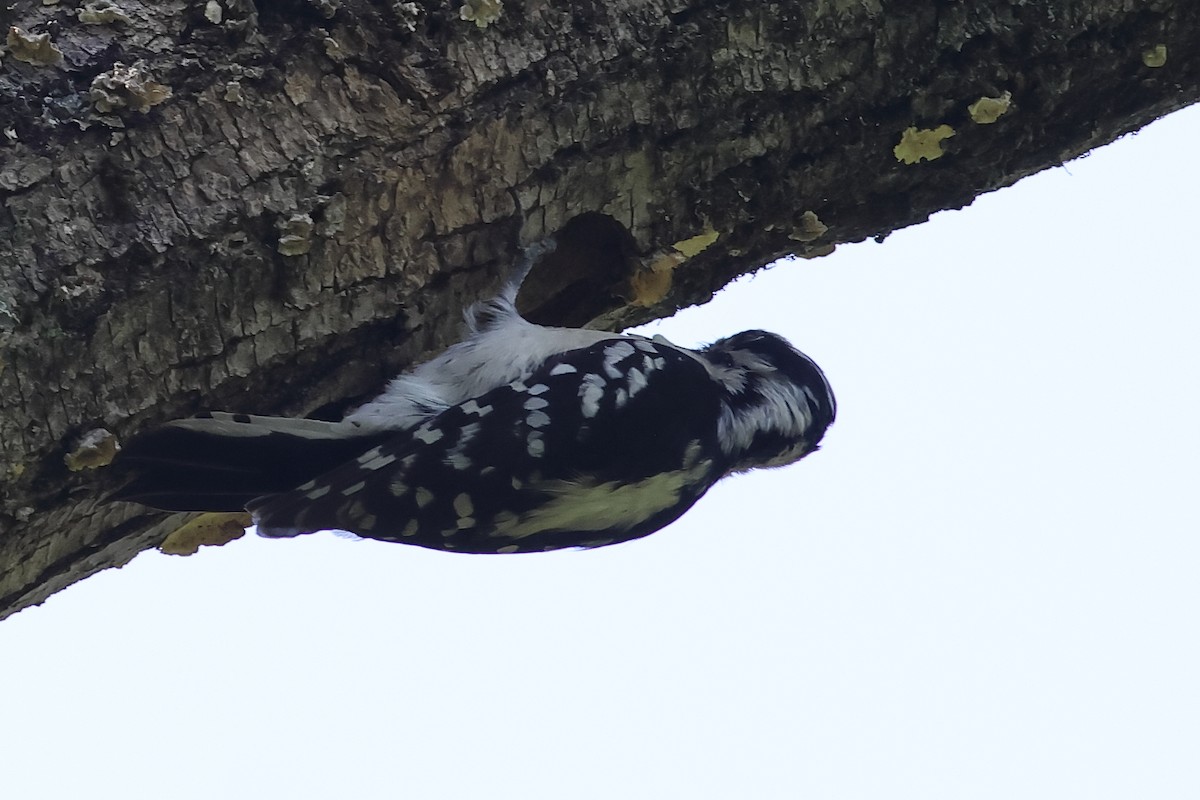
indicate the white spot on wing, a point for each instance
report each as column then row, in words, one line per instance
column 369, row 455
column 613, row 355
column 427, row 434
column 424, row 497
column 537, row 419
column 378, row 463
column 535, row 446
column 410, row 529
column 617, row 351
column 320, row 491
column 591, row 392
column 457, row 457
column 508, row 548
column 539, row 388
column 563, row 369
column 637, row 382
column 534, row 403
column 463, row 506
column 472, row 407
column 349, row 490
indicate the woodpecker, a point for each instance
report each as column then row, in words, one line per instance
column 520, row 438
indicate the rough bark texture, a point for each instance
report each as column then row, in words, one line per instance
column 327, row 185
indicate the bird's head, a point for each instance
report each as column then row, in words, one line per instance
column 777, row 401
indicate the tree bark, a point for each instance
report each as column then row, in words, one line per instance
column 274, row 207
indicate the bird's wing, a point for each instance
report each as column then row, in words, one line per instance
column 602, row 444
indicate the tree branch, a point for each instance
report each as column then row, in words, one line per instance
column 275, row 208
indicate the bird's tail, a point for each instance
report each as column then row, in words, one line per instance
column 221, row 461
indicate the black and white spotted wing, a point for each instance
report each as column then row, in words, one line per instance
column 600, row 445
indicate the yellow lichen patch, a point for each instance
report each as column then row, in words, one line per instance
column 32, row 48
column 213, row 529
column 1155, row 57
column 481, row 12
column 987, row 110
column 96, row 448
column 651, row 285
column 808, row 228
column 697, row 244
column 916, row 144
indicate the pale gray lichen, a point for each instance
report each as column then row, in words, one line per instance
column 24, row 171
column 333, row 216
column 102, row 12
column 808, row 228
column 328, row 8
column 126, row 87
column 295, row 235
column 407, row 14
column 333, row 49
column 32, row 48
column 233, row 93
column 817, row 251
column 481, row 12
column 9, row 319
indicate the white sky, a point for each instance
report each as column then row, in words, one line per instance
column 984, row 586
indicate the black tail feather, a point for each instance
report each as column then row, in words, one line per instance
column 177, row 468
